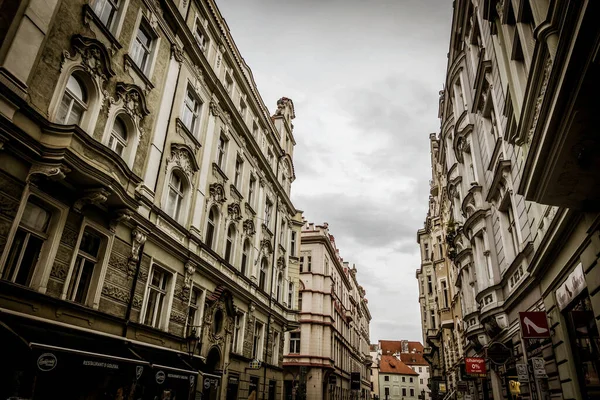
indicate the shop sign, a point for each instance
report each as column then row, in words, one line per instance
column 139, row 370
column 442, row 388
column 522, row 373
column 254, row 364
column 462, row 386
column 100, row 364
column 514, row 387
column 160, row 377
column 47, row 362
column 475, row 366
column 355, row 380
column 539, row 367
column 534, row 325
column 574, row 284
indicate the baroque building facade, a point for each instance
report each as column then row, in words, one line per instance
column 332, row 342
column 515, row 191
column 148, row 243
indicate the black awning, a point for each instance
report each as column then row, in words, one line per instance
column 164, row 358
column 55, row 348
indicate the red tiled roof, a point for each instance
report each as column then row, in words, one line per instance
column 395, row 346
column 413, row 359
column 391, row 365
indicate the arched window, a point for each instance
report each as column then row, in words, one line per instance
column 245, row 255
column 74, row 102
column 118, row 136
column 262, row 279
column 279, row 288
column 210, row 226
column 175, row 198
column 229, row 243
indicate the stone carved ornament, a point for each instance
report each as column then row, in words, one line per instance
column 92, row 197
column 52, row 172
column 183, row 157
column 217, row 193
column 138, row 238
column 234, row 211
column 249, row 228
column 94, row 56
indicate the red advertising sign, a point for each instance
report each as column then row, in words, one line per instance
column 475, row 366
column 534, row 324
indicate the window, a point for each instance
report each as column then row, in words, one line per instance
column 420, row 370
column 301, row 264
column 426, row 251
column 257, row 343
column 251, row 189
column 210, row 227
column 200, row 36
column 268, row 212
column 279, row 287
column 412, row 392
column 245, row 256
column 290, row 295
column 387, row 391
column 74, row 102
column 295, row 342
column 403, row 379
column 175, row 197
column 221, row 152
column 410, row 380
column 432, row 316
column 403, row 391
column 156, row 297
column 87, row 258
column 239, row 168
column 309, row 264
column 421, row 381
column 27, row 243
column 228, row 81
column 293, row 244
column 243, row 108
column 229, row 243
column 255, row 129
column 512, row 228
column 238, row 333
column 386, row 378
column 429, row 284
column 326, row 267
column 270, row 158
column 106, row 10
column 263, row 274
column 118, row 137
column 299, row 301
column 142, row 47
column 282, row 233
column 193, row 319
column 191, row 111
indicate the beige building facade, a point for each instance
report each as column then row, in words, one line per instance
column 515, row 189
column 146, row 225
column 332, row 342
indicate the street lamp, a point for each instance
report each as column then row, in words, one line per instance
column 192, row 342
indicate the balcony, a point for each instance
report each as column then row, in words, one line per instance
column 349, row 316
column 447, row 321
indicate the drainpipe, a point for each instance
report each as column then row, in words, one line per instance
column 132, row 292
column 271, row 288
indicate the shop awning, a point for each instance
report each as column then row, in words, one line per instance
column 60, row 347
column 163, row 358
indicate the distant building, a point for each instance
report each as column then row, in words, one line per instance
column 397, row 381
column 374, row 352
column 333, row 339
column 411, row 354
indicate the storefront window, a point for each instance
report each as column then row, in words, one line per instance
column 585, row 343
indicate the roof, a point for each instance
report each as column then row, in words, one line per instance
column 413, row 359
column 395, row 346
column 391, row 365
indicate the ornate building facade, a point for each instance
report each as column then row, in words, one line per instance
column 515, row 189
column 332, row 341
column 147, row 238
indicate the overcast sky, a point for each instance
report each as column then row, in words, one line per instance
column 364, row 76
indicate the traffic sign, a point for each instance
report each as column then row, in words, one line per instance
column 475, row 366
column 534, row 324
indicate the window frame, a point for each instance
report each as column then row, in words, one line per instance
column 238, row 178
column 229, row 253
column 58, row 219
column 257, row 345
column 221, row 159
column 251, row 189
column 180, row 194
column 199, row 313
column 114, row 20
column 295, row 342
column 99, row 272
column 262, row 274
column 82, row 103
column 198, row 26
column 148, row 67
column 194, row 110
column 163, row 317
column 115, row 139
column 214, row 223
